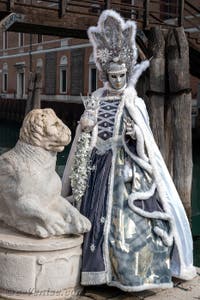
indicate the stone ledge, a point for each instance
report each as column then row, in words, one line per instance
column 14, row 240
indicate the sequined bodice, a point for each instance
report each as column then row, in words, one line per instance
column 106, row 118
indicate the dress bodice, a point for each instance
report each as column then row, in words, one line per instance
column 106, row 118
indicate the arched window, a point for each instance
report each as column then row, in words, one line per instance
column 63, row 75
column 92, row 75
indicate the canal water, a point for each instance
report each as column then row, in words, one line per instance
column 9, row 132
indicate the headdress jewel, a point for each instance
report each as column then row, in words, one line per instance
column 113, row 40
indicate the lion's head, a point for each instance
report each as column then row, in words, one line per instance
column 42, row 128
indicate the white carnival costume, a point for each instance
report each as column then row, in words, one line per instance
column 140, row 234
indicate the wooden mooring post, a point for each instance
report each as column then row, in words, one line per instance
column 34, row 90
column 180, row 104
column 170, row 104
column 156, row 91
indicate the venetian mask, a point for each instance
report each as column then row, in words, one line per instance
column 117, row 75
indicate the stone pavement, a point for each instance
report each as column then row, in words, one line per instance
column 183, row 290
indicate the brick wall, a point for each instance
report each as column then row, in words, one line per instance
column 48, row 53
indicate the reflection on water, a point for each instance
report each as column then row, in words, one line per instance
column 9, row 133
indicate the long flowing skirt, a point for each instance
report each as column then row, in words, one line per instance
column 131, row 256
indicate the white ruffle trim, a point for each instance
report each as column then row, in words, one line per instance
column 187, row 273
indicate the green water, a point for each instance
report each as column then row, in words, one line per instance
column 196, row 188
column 9, row 132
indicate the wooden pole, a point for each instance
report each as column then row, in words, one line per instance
column 30, row 93
column 62, row 9
column 34, row 91
column 156, row 91
column 169, row 105
column 180, row 101
column 37, row 89
column 11, row 4
column 146, row 4
column 107, row 4
column 180, row 12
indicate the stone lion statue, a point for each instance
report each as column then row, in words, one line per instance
column 30, row 189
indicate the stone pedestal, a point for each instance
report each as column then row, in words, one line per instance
column 33, row 268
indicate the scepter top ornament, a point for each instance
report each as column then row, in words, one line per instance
column 90, row 102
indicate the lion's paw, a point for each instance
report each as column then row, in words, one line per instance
column 41, row 232
column 55, row 224
column 69, row 222
column 76, row 222
column 81, row 224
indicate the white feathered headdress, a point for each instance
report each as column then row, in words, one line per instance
column 113, row 40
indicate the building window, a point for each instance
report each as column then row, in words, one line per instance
column 92, row 75
column 63, row 80
column 21, row 39
column 93, row 79
column 63, row 75
column 20, row 84
column 5, row 78
column 40, row 38
column 20, row 69
column 5, row 40
column 5, row 82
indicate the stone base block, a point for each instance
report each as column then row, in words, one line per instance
column 39, row 268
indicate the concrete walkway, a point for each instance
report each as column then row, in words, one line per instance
column 183, row 290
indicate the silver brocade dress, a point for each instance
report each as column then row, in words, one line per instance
column 130, row 255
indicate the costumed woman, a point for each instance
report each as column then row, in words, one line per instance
column 116, row 176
